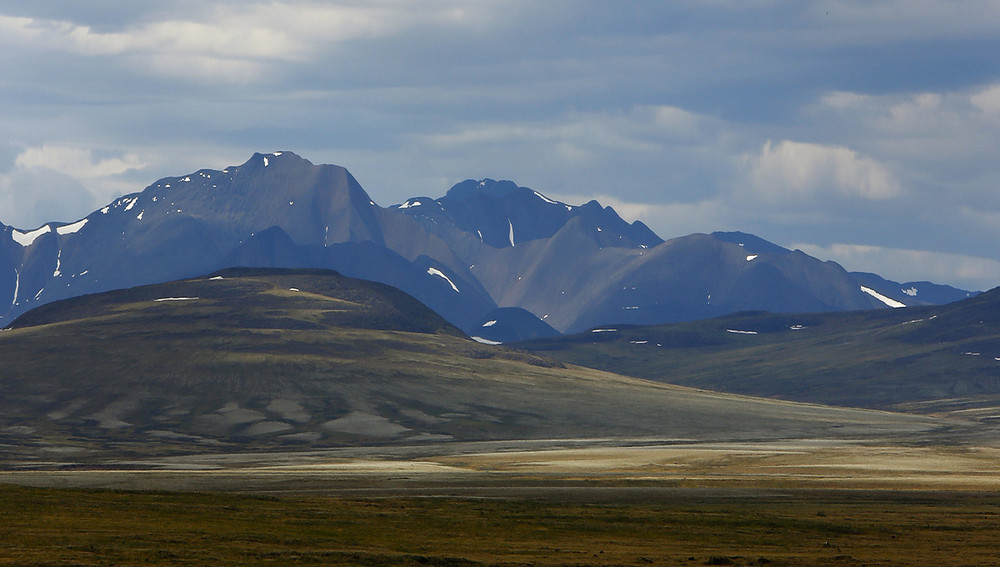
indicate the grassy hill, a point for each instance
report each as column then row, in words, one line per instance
column 251, row 360
column 928, row 359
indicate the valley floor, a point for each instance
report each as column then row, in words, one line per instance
column 583, row 502
column 500, row 468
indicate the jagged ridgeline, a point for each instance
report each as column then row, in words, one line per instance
column 484, row 245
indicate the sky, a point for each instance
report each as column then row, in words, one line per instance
column 867, row 133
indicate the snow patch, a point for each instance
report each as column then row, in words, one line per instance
column 276, row 154
column 139, row 216
column 544, row 198
column 293, row 289
column 490, row 323
column 637, row 342
column 71, row 228
column 912, row 292
column 751, row 257
column 57, row 273
column 739, row 332
column 604, row 331
column 409, row 204
column 440, row 274
column 26, row 239
column 105, row 210
column 511, row 233
column 265, row 162
column 216, row 278
column 39, row 293
column 132, row 203
column 485, row 341
column 17, row 286
column 176, row 299
column 887, row 300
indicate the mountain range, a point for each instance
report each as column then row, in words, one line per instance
column 499, row 261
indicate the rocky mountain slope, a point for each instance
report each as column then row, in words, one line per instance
column 485, row 244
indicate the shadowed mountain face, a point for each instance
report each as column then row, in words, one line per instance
column 281, row 360
column 929, row 359
column 485, row 244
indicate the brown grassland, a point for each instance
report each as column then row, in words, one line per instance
column 763, row 504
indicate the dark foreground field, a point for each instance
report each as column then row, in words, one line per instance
column 47, row 526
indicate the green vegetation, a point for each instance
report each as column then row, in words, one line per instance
column 925, row 359
column 75, row 527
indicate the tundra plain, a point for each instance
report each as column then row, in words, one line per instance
column 583, row 502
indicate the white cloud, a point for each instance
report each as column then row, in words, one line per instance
column 31, row 197
column 76, row 162
column 239, row 43
column 55, row 183
column 987, row 101
column 799, row 172
column 960, row 270
column 940, row 139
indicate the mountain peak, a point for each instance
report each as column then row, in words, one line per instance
column 489, row 187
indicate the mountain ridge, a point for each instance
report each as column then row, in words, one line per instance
column 483, row 245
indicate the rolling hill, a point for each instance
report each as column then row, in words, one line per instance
column 927, row 359
column 277, row 360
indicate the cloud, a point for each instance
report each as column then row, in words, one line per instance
column 53, row 183
column 240, row 43
column 650, row 152
column 940, row 139
column 884, row 118
column 799, row 172
column 76, row 162
column 30, row 197
column 965, row 271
